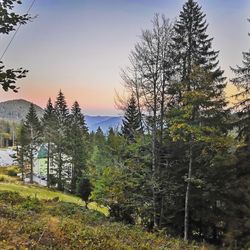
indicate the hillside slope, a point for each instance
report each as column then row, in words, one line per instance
column 29, row 219
column 16, row 110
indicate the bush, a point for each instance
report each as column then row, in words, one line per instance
column 66, row 209
column 11, row 197
column 32, row 204
column 12, row 172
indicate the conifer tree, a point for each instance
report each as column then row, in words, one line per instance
column 21, row 148
column 242, row 82
column 60, row 142
column 77, row 146
column 100, row 139
column 191, row 44
column 49, row 127
column 131, row 123
column 198, row 123
column 239, row 215
column 200, row 98
column 33, row 130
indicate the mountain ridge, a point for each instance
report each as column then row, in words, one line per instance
column 17, row 109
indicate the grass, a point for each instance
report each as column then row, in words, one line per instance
column 9, row 183
column 30, row 223
column 45, row 193
column 31, row 218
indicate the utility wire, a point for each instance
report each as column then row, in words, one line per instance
column 16, row 31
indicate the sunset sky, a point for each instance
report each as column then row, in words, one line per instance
column 80, row 46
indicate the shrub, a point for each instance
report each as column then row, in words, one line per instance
column 32, row 204
column 12, row 172
column 2, row 179
column 11, row 197
column 66, row 209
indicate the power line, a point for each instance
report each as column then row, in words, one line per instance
column 16, row 31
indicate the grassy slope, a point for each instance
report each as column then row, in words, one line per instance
column 45, row 193
column 13, row 184
column 31, row 219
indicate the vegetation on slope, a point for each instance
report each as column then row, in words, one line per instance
column 27, row 222
column 31, row 217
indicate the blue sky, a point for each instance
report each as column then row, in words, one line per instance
column 80, row 46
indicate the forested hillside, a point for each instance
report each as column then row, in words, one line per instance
column 16, row 110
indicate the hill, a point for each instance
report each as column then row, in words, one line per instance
column 16, row 110
column 32, row 218
column 104, row 122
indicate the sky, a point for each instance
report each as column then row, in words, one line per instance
column 80, row 46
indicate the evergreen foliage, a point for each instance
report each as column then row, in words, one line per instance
column 84, row 190
column 242, row 82
column 131, row 123
column 191, row 43
column 77, row 134
column 49, row 127
column 33, row 131
column 60, row 160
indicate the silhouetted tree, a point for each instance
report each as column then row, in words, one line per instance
column 9, row 20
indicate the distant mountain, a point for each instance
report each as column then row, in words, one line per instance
column 104, row 122
column 16, row 110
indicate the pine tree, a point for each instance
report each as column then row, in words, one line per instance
column 199, row 95
column 33, row 129
column 242, row 82
column 60, row 141
column 199, row 124
column 239, row 215
column 84, row 190
column 49, row 127
column 100, row 139
column 192, row 45
column 77, row 146
column 131, row 123
column 21, row 148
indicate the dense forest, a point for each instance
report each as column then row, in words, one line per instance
column 180, row 162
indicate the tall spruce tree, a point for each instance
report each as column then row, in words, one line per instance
column 77, row 145
column 49, row 127
column 131, row 123
column 192, row 45
column 242, row 82
column 33, row 130
column 60, row 142
column 195, row 59
column 239, row 216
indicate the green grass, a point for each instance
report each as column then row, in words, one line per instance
column 30, row 223
column 30, row 218
column 47, row 194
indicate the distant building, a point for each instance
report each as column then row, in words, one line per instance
column 40, row 161
column 40, row 164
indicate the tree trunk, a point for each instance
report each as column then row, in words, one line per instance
column 154, row 160
column 48, row 165
column 60, row 186
column 31, row 166
column 186, row 217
